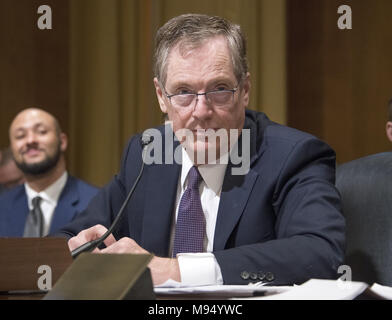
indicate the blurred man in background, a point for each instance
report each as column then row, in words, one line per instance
column 389, row 122
column 50, row 197
column 10, row 175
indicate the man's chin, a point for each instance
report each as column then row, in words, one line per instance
column 37, row 167
column 33, row 160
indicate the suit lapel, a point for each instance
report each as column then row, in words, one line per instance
column 234, row 197
column 236, row 189
column 161, row 191
column 65, row 210
column 17, row 218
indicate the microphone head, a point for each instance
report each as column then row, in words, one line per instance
column 146, row 139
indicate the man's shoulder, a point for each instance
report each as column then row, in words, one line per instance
column 9, row 197
column 135, row 141
column 82, row 186
column 271, row 130
column 160, row 137
column 279, row 142
column 287, row 134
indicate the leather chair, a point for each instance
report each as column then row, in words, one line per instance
column 366, row 188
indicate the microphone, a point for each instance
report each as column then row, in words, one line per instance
column 91, row 245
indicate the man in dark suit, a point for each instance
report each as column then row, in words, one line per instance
column 10, row 175
column 50, row 198
column 278, row 221
column 388, row 127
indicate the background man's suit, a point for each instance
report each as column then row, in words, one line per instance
column 282, row 218
column 73, row 199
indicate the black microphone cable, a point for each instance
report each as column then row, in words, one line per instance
column 91, row 245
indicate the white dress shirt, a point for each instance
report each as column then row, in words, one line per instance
column 50, row 197
column 201, row 268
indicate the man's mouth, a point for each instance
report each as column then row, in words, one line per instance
column 32, row 152
column 204, row 131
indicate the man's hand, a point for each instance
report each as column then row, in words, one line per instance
column 88, row 235
column 162, row 269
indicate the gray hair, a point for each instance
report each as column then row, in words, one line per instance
column 191, row 30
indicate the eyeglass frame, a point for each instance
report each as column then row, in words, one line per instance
column 169, row 96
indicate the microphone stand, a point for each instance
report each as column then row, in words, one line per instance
column 91, row 245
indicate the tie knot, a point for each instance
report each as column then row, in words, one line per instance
column 36, row 202
column 194, row 178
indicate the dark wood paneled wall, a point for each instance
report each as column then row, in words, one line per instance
column 33, row 63
column 339, row 81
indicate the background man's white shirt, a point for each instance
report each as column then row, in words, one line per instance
column 50, row 197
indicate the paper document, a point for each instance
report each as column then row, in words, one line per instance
column 316, row 289
column 383, row 291
column 175, row 288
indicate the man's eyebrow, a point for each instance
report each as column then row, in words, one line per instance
column 18, row 130
column 40, row 124
column 211, row 83
column 180, row 83
column 224, row 80
column 35, row 126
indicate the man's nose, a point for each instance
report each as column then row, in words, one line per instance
column 202, row 108
column 31, row 138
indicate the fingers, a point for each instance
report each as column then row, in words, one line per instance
column 90, row 234
column 124, row 245
column 109, row 240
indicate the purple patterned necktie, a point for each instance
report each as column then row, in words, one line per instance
column 190, row 225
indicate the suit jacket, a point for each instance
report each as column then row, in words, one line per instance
column 14, row 209
column 281, row 222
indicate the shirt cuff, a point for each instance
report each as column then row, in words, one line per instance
column 199, row 269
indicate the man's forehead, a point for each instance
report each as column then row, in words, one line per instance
column 32, row 118
column 210, row 57
column 185, row 49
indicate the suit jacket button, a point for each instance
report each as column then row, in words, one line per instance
column 261, row 275
column 253, row 276
column 269, row 276
column 245, row 275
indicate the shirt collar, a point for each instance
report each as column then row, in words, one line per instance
column 212, row 174
column 50, row 194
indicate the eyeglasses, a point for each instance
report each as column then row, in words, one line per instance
column 217, row 98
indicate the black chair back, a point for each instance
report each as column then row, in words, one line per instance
column 366, row 188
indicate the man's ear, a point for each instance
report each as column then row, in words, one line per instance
column 160, row 95
column 388, row 130
column 246, row 89
column 63, row 142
